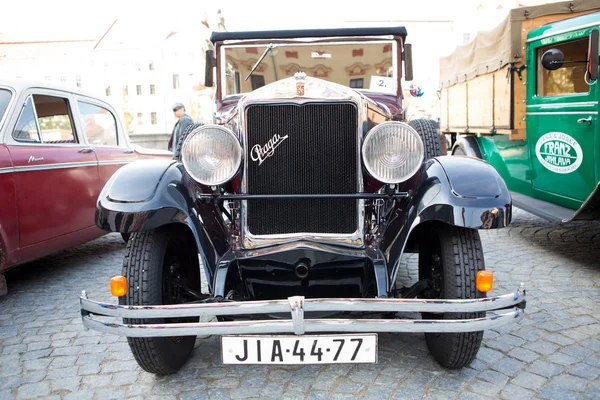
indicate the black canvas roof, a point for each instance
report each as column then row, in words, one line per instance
column 303, row 33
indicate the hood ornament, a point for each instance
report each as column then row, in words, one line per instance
column 300, row 80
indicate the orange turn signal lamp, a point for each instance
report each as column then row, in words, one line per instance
column 484, row 281
column 118, row 286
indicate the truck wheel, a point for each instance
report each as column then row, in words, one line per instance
column 431, row 140
column 177, row 151
column 450, row 257
column 156, row 263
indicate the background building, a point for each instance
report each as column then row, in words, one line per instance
column 142, row 67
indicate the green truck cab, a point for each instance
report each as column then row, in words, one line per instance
column 535, row 118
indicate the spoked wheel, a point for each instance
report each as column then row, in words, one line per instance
column 450, row 257
column 161, row 267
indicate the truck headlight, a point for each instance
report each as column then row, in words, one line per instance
column 211, row 154
column 392, row 152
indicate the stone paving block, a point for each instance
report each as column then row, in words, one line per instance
column 272, row 389
column 569, row 382
column 528, row 380
column 542, row 347
column 318, row 395
column 33, row 390
column 482, row 387
column 493, row 377
column 512, row 392
column 350, row 387
column 546, row 369
column 11, row 382
column 194, row 395
column 585, row 371
column 507, row 366
column 69, row 384
column 95, row 381
column 218, row 394
column 434, row 394
column 377, row 392
column 35, row 376
column 553, row 393
column 62, row 372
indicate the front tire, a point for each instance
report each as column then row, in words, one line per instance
column 154, row 261
column 450, row 257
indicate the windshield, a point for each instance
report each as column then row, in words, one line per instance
column 358, row 65
column 5, row 96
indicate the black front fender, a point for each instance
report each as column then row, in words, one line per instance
column 148, row 194
column 460, row 191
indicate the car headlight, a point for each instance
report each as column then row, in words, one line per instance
column 211, row 154
column 392, row 152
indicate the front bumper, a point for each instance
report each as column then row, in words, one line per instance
column 297, row 324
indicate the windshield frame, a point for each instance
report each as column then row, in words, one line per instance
column 396, row 42
column 4, row 118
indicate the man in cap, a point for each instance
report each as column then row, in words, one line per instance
column 183, row 122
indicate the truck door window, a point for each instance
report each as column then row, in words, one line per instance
column 568, row 79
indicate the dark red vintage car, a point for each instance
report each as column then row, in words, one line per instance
column 58, row 147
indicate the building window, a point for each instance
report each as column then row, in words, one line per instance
column 78, row 80
column 466, row 38
column 140, row 118
column 151, row 65
column 108, row 91
column 357, row 83
column 138, row 89
column 47, row 77
column 63, row 78
column 153, row 118
column 152, row 89
column 125, row 90
column 175, row 81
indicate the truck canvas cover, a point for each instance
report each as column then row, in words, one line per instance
column 491, row 50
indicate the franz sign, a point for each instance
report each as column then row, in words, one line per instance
column 559, row 152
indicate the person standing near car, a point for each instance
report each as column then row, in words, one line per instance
column 183, row 121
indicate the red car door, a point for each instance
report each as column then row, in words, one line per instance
column 56, row 174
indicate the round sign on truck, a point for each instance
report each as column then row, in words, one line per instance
column 559, row 152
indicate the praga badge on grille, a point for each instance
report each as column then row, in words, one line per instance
column 261, row 153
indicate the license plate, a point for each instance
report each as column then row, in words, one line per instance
column 305, row 349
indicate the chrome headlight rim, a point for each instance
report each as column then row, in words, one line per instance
column 237, row 160
column 369, row 137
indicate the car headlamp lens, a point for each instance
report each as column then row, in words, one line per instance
column 211, row 154
column 392, row 152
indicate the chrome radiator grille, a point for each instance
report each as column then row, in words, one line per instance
column 302, row 149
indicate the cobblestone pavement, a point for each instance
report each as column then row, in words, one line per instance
column 554, row 354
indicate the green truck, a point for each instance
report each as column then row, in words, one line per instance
column 524, row 97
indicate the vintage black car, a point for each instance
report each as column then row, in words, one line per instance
column 300, row 201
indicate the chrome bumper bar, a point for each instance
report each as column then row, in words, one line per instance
column 297, row 306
